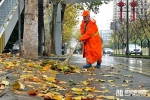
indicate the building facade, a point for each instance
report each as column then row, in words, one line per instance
column 106, row 35
column 142, row 8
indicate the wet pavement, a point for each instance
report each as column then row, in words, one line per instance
column 129, row 75
column 118, row 78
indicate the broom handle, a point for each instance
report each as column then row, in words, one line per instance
column 66, row 61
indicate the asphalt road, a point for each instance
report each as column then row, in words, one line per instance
column 120, row 78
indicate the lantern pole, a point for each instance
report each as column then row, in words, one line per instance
column 133, row 4
column 121, row 4
column 127, row 29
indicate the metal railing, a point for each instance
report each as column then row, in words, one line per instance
column 6, row 7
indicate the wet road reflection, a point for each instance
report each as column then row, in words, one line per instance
column 133, row 64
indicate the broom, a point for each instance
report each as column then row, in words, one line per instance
column 67, row 60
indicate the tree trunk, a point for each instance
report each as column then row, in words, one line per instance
column 47, row 17
column 53, row 31
column 30, row 36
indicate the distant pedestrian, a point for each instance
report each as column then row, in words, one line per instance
column 91, row 41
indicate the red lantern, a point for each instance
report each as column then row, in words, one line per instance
column 121, row 4
column 133, row 4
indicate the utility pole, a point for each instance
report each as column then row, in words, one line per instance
column 19, row 27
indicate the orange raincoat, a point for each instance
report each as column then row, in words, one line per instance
column 92, row 48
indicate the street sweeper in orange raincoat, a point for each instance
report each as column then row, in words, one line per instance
column 91, row 41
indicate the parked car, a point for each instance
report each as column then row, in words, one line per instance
column 15, row 48
column 134, row 49
column 108, row 51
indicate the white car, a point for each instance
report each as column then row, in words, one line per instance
column 108, row 51
column 134, row 49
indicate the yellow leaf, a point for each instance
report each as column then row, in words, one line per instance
column 46, row 67
column 30, row 64
column 100, row 97
column 5, row 82
column 21, row 86
column 57, row 97
column 55, row 93
column 85, row 83
column 78, row 92
column 52, row 85
column 68, row 98
column 110, row 97
column 53, row 72
column 104, row 91
column 68, row 95
column 88, row 89
column 101, row 80
column 91, row 79
column 111, row 81
column 78, row 97
column 18, row 85
column 50, row 79
column 77, row 89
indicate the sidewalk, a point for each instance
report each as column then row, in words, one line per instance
column 106, row 83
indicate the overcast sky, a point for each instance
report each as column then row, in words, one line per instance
column 104, row 17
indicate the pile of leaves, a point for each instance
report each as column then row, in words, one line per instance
column 34, row 73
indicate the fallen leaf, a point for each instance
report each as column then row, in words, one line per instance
column 6, row 83
column 110, row 97
column 77, row 89
column 100, row 97
column 50, row 79
column 31, row 64
column 111, row 81
column 48, row 96
column 46, row 67
column 107, row 75
column 16, row 85
column 85, row 83
column 57, row 97
column 32, row 92
column 35, row 79
column 78, row 97
column 90, row 89
column 100, row 80
column 2, row 87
